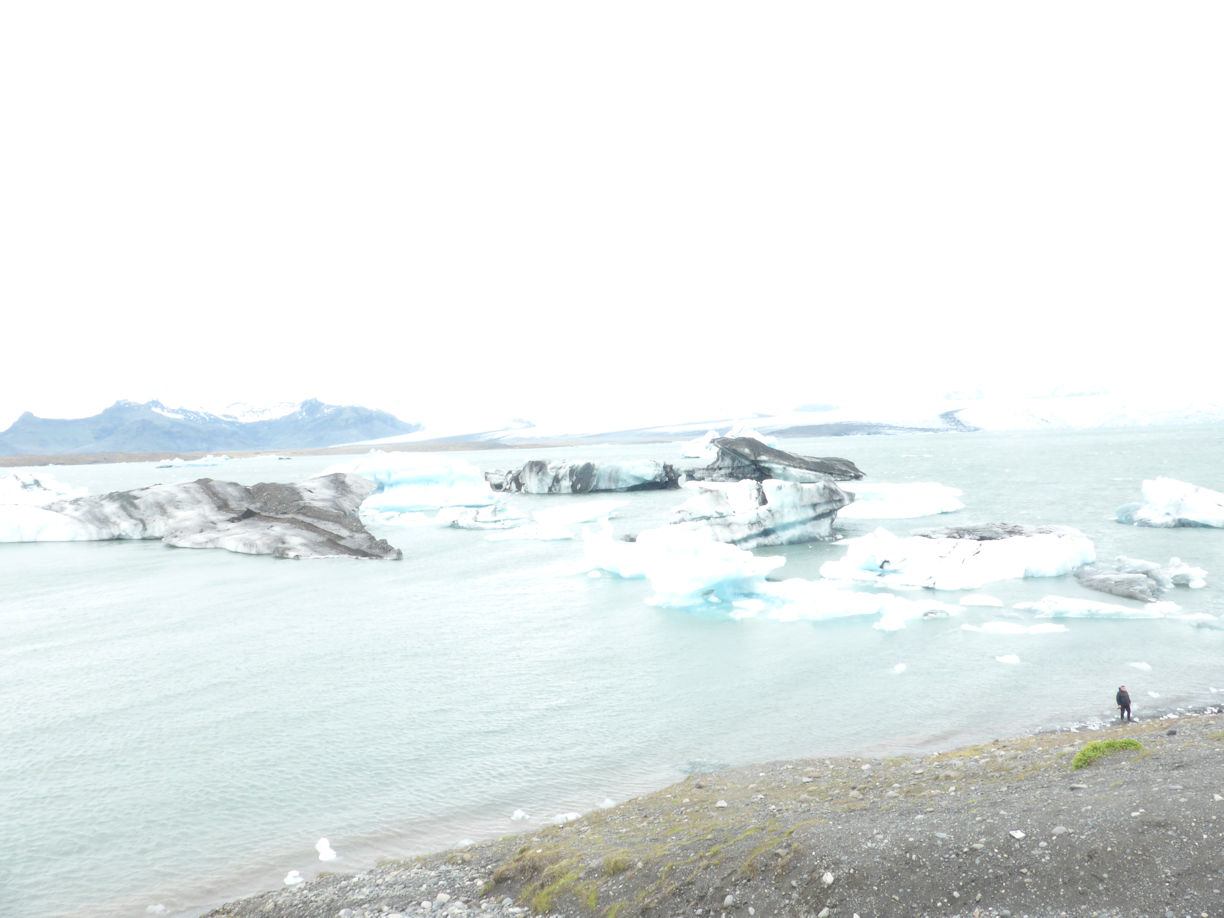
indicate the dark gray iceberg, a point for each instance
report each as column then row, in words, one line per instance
column 317, row 518
column 741, row 458
column 539, row 476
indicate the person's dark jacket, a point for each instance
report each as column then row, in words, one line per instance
column 1123, row 698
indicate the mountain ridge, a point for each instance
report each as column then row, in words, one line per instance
column 150, row 427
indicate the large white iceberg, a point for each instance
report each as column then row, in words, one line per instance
column 1168, row 502
column 960, row 563
column 410, row 483
column 688, row 569
column 885, row 501
column 771, row 512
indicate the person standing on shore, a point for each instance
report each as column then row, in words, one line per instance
column 1123, row 701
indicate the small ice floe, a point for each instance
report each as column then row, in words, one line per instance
column 1008, row 658
column 326, row 852
column 157, row 909
column 1141, row 665
column 562, row 818
column 519, row 816
column 292, row 878
column 1010, row 628
column 899, row 668
column 1153, row 694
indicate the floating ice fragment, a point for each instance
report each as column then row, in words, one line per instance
column 1141, row 665
column 1168, row 503
column 562, row 818
column 1066, row 607
column 157, row 909
column 519, row 815
column 1010, row 628
column 292, row 878
column 1008, row 658
column 607, row 804
column 948, row 563
column 1152, row 694
column 326, row 853
column 412, row 482
column 899, row 668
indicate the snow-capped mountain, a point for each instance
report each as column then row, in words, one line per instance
column 130, row 427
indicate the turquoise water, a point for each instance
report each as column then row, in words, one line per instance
column 180, row 727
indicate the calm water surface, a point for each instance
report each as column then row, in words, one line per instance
column 179, row 727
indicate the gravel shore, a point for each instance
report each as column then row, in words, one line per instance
column 1007, row 828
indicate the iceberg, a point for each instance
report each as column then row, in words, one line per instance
column 317, row 518
column 688, row 569
column 542, row 477
column 1133, row 578
column 900, row 501
column 410, row 483
column 684, row 567
column 961, row 559
column 739, row 458
column 1168, row 503
column 25, row 489
column 750, row 514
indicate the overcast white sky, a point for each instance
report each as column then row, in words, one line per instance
column 570, row 209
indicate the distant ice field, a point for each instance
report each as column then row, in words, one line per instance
column 181, row 727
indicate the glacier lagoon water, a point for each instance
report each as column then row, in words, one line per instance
column 180, row 727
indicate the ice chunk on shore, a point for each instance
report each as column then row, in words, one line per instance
column 1168, row 503
column 413, row 482
column 960, row 563
column 326, row 852
column 899, row 501
column 292, row 878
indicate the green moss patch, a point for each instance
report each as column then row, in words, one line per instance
column 1094, row 751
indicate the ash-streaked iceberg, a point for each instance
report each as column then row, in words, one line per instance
column 739, row 458
column 539, row 476
column 1168, row 503
column 751, row 514
column 413, row 483
column 966, row 558
column 907, row 500
column 317, row 518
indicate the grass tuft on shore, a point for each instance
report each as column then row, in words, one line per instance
column 1094, row 751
